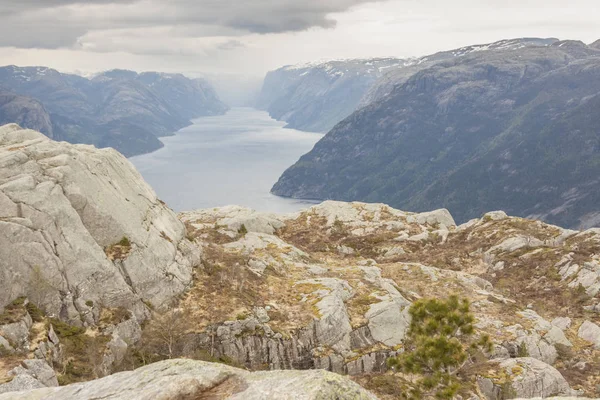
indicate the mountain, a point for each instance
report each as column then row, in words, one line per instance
column 512, row 129
column 98, row 276
column 24, row 111
column 316, row 96
column 118, row 108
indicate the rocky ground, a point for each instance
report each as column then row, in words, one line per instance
column 326, row 288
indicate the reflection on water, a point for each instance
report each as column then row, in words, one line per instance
column 231, row 159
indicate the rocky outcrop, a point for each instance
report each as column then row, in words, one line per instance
column 526, row 378
column 31, row 374
column 334, row 284
column 330, row 287
column 179, row 379
column 590, row 332
column 64, row 209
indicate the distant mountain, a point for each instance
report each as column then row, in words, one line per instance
column 516, row 129
column 118, row 108
column 24, row 111
column 316, row 96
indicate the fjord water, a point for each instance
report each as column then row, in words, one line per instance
column 229, row 159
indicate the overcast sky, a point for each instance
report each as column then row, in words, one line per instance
column 250, row 37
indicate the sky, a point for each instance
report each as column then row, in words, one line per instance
column 251, row 37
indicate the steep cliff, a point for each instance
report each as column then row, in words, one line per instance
column 512, row 129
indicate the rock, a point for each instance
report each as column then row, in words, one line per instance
column 436, row 217
column 563, row 323
column 515, row 243
column 525, row 377
column 113, row 355
column 233, row 217
column 261, row 315
column 333, row 326
column 72, row 202
column 20, row 383
column 495, row 216
column 388, row 321
column 5, row 346
column 419, row 237
column 588, row 276
column 590, row 332
column 179, row 379
column 394, row 252
column 40, row 370
column 345, row 250
column 17, row 333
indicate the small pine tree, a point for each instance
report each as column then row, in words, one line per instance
column 439, row 342
column 242, row 231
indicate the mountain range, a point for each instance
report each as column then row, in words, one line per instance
column 316, row 96
column 504, row 127
column 118, row 108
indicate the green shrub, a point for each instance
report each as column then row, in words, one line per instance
column 124, row 242
column 439, row 343
column 522, row 350
column 243, row 231
column 63, row 330
column 35, row 313
column 89, row 303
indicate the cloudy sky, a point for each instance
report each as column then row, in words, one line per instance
column 252, row 36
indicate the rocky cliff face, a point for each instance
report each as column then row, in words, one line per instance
column 120, row 109
column 509, row 129
column 81, row 230
column 87, row 252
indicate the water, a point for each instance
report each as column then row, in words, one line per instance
column 230, row 159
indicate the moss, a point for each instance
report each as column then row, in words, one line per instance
column 14, row 312
column 64, row 330
column 35, row 313
column 241, row 316
column 119, row 250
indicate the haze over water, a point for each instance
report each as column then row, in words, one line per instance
column 230, row 159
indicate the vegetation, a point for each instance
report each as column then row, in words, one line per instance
column 119, row 250
column 243, row 231
column 439, row 343
column 14, row 312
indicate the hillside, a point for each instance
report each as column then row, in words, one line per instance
column 99, row 276
column 316, row 96
column 512, row 130
column 120, row 109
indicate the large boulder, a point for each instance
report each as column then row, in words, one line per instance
column 64, row 208
column 590, row 332
column 524, row 377
column 187, row 379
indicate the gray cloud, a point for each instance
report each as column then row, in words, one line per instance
column 60, row 23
